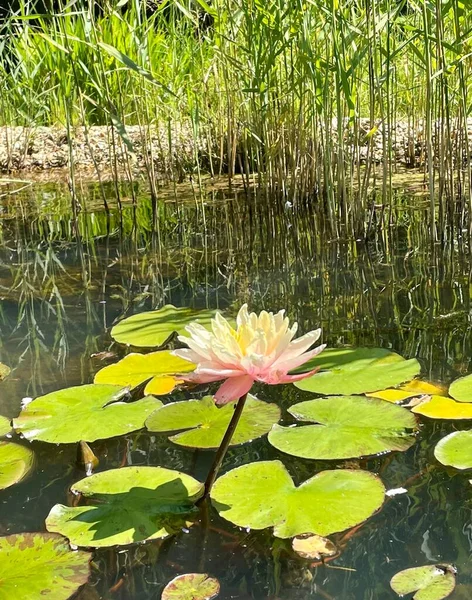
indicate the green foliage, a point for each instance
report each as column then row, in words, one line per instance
column 455, row 450
column 461, row 389
column 203, row 424
column 262, row 494
column 40, row 565
column 127, row 505
column 432, row 582
column 15, row 463
column 197, row 586
column 5, row 426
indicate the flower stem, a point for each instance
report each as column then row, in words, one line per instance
column 225, row 442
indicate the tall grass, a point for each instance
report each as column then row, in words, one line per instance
column 291, row 93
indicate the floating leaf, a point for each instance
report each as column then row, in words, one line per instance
column 440, row 407
column 455, row 450
column 191, row 586
column 135, row 369
column 153, row 329
column 461, row 389
column 206, row 424
column 5, row 426
column 4, row 371
column 85, row 412
column 357, row 370
column 432, row 582
column 350, row 426
column 419, row 387
column 126, row 506
column 262, row 494
column 15, row 463
column 313, row 546
column 40, row 565
column 392, row 395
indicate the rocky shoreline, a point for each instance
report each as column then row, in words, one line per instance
column 102, row 149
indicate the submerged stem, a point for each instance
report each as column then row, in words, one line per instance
column 225, row 442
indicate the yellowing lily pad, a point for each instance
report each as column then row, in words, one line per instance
column 204, row 424
column 15, row 463
column 440, row 407
column 5, row 426
column 349, row 426
column 432, row 582
column 40, row 565
column 313, row 547
column 191, row 586
column 346, row 371
column 262, row 494
column 127, row 505
column 455, row 450
column 154, row 328
column 85, row 412
column 461, row 389
column 157, row 367
column 420, row 388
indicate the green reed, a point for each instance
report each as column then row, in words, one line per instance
column 301, row 96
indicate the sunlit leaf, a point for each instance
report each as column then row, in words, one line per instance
column 440, row 407
column 432, row 582
column 85, row 412
column 153, row 329
column 4, row 371
column 349, row 426
column 262, row 494
column 349, row 371
column 157, row 367
column 5, row 426
column 391, row 395
column 461, row 389
column 455, row 450
column 313, row 547
column 204, row 424
column 127, row 505
column 419, row 387
column 15, row 463
column 40, row 565
column 191, row 586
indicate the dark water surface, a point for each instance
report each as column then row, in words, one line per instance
column 65, row 281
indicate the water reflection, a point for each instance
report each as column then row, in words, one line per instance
column 66, row 278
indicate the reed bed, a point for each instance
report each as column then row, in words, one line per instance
column 297, row 95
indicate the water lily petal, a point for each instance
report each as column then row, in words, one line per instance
column 299, row 346
column 297, row 361
column 233, row 388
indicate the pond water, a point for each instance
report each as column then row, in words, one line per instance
column 65, row 281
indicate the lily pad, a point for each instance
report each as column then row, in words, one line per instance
column 455, row 450
column 4, row 371
column 432, row 582
column 349, row 371
column 262, row 494
column 191, row 586
column 206, row 424
column 85, row 412
column 419, row 387
column 127, row 505
column 461, row 389
column 154, row 328
column 392, row 395
column 40, row 565
column 157, row 367
column 440, row 407
column 349, row 427
column 313, row 547
column 15, row 463
column 5, row 426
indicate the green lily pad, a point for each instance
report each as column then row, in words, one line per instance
column 15, row 463
column 262, row 494
column 154, row 328
column 432, row 582
column 349, row 427
column 346, row 371
column 157, row 367
column 461, row 389
column 40, row 565
column 127, row 505
column 5, row 426
column 206, row 424
column 85, row 412
column 191, row 586
column 4, row 371
column 455, row 450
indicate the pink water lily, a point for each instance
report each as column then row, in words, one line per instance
column 259, row 349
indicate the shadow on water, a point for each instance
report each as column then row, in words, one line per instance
column 66, row 280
